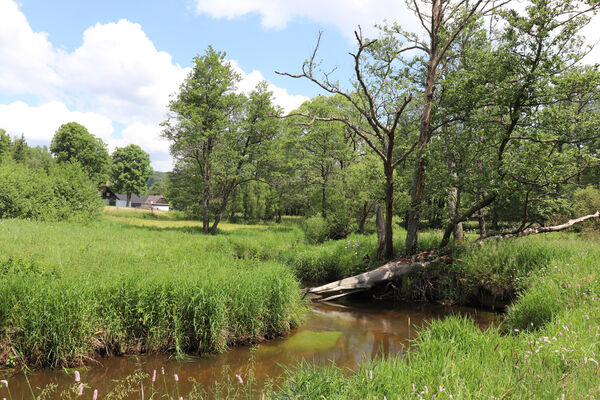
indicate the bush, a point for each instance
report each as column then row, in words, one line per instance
column 315, row 229
column 586, row 201
column 337, row 225
column 64, row 193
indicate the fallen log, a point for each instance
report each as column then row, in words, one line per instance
column 367, row 280
column 540, row 229
column 397, row 268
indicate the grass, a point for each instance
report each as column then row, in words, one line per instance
column 546, row 348
column 72, row 291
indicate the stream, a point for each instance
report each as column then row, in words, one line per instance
column 347, row 334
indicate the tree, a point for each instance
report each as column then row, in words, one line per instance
column 73, row 143
column 130, row 170
column 443, row 23
column 531, row 109
column 20, row 149
column 5, row 144
column 218, row 138
column 322, row 146
column 376, row 110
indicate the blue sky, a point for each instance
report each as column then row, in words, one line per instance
column 112, row 64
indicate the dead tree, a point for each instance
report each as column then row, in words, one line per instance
column 377, row 109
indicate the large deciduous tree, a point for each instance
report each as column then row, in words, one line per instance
column 518, row 137
column 72, row 142
column 130, row 170
column 219, row 138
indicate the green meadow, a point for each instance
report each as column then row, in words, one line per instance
column 71, row 292
column 138, row 282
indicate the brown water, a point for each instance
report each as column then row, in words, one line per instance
column 346, row 334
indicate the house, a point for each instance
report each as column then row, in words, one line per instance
column 150, row 202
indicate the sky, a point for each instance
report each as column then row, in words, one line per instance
column 111, row 65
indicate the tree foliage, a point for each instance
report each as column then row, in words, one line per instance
column 72, row 142
column 130, row 170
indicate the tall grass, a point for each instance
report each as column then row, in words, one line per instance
column 73, row 291
column 547, row 348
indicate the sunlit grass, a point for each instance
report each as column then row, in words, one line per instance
column 547, row 347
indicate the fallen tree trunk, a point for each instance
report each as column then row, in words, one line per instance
column 365, row 281
column 397, row 268
column 540, row 229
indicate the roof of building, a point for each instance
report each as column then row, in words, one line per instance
column 148, row 199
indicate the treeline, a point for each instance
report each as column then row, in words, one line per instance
column 488, row 115
column 62, row 182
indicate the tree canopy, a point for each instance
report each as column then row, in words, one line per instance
column 72, row 142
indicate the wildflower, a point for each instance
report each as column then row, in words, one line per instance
column 154, row 376
column 162, row 369
column 80, row 390
column 239, row 378
column 5, row 382
column 95, row 394
column 77, row 376
column 413, row 386
column 176, row 377
column 371, row 375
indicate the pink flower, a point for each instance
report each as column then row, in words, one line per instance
column 154, row 376
column 95, row 394
column 80, row 391
column 176, row 377
column 77, row 376
column 239, row 378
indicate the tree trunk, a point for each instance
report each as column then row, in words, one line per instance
column 128, row 199
column 363, row 217
column 380, row 223
column 365, row 281
column 324, row 199
column 495, row 217
column 412, row 231
column 481, row 219
column 205, row 205
column 225, row 200
column 541, row 229
column 450, row 228
column 453, row 206
column 389, row 210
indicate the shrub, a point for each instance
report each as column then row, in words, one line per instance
column 63, row 193
column 586, row 201
column 315, row 229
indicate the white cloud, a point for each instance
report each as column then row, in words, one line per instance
column 346, row 15
column 118, row 70
column 281, row 96
column 26, row 57
column 39, row 123
column 116, row 76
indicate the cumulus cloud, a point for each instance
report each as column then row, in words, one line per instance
column 118, row 70
column 281, row 96
column 345, row 15
column 39, row 123
column 26, row 57
column 116, row 76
